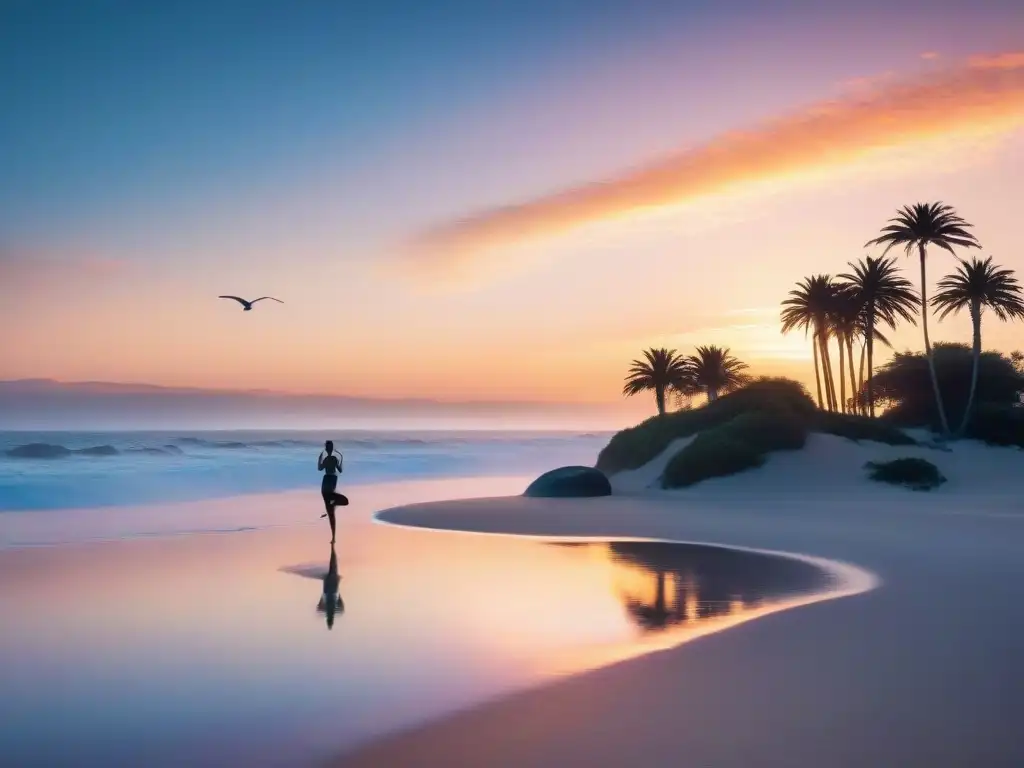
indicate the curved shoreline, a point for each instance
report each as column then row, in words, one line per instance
column 856, row 580
column 913, row 674
column 848, row 580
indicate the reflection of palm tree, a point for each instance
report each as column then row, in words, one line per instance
column 706, row 581
column 330, row 601
column 657, row 615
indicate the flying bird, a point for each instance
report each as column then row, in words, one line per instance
column 247, row 305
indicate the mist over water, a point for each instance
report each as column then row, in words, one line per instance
column 63, row 470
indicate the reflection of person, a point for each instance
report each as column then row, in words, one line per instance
column 329, row 463
column 330, row 600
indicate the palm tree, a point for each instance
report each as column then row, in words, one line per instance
column 660, row 370
column 884, row 297
column 977, row 285
column 715, row 371
column 807, row 308
column 864, row 398
column 919, row 226
column 844, row 324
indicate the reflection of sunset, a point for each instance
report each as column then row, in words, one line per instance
column 433, row 621
column 668, row 608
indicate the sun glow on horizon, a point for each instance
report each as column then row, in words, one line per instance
column 467, row 230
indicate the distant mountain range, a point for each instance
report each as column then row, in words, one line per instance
column 27, row 404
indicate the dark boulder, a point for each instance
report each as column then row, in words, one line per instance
column 570, row 482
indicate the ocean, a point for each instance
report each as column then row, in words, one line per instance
column 42, row 472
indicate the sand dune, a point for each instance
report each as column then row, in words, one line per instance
column 829, row 463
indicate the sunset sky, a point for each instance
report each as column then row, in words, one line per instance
column 476, row 200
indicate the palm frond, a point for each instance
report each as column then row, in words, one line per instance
column 924, row 224
column 885, row 296
column 714, row 368
column 982, row 284
column 660, row 368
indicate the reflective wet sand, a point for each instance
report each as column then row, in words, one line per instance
column 225, row 647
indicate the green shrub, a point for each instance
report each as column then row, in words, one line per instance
column 854, row 427
column 711, row 454
column 768, row 391
column 997, row 425
column 764, row 431
column 634, row 447
column 769, row 414
column 918, row 474
column 739, row 444
column 905, row 384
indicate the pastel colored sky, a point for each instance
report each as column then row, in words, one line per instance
column 466, row 200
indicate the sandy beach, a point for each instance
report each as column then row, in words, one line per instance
column 170, row 646
column 926, row 670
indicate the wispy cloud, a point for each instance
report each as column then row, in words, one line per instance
column 985, row 91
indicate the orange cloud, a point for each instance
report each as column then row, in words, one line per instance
column 1011, row 60
column 985, row 91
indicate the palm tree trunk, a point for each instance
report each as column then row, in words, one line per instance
column 860, row 381
column 830, row 383
column 842, row 375
column 928, row 345
column 817, row 374
column 712, row 394
column 976, row 322
column 825, row 373
column 659, row 397
column 824, row 370
column 871, row 363
column 853, row 374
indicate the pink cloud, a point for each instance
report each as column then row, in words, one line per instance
column 881, row 112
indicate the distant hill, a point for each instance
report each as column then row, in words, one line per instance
column 27, row 404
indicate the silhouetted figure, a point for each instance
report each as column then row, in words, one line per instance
column 247, row 305
column 329, row 463
column 330, row 601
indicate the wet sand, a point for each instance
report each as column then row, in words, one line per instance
column 927, row 670
column 212, row 649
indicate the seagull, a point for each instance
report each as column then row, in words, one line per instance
column 247, row 305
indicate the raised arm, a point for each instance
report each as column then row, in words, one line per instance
column 320, row 462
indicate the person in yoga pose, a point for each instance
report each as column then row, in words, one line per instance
column 330, row 464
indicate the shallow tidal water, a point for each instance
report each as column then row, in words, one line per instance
column 207, row 649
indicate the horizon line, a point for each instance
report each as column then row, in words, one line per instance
column 143, row 387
